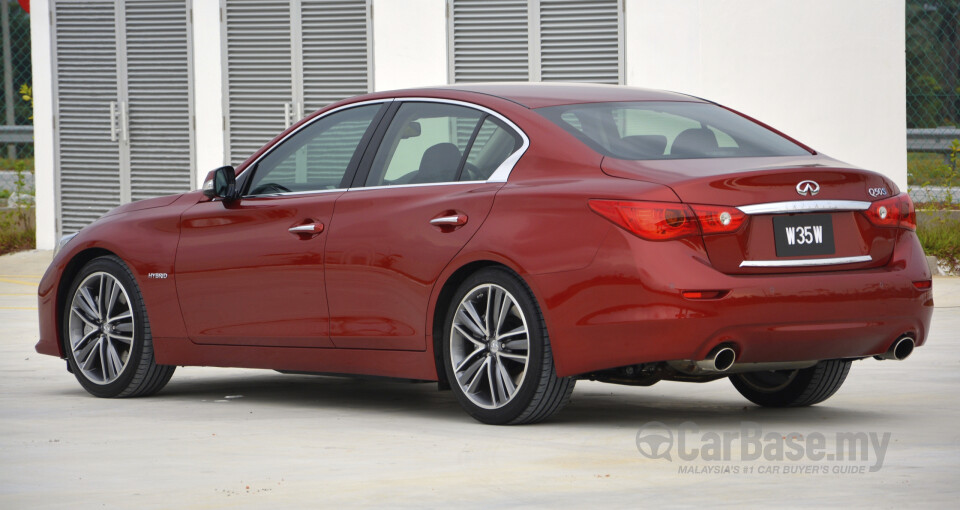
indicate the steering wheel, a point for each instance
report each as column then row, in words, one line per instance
column 269, row 188
column 471, row 173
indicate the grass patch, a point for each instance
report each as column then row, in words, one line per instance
column 14, row 236
column 940, row 235
column 930, row 169
column 17, row 164
column 938, row 230
column 17, row 230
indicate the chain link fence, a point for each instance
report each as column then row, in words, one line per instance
column 16, row 111
column 933, row 100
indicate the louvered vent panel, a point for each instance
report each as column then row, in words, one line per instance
column 158, row 89
column 86, row 77
column 259, row 73
column 490, row 41
column 335, row 63
column 579, row 41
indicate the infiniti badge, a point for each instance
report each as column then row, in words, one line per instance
column 805, row 188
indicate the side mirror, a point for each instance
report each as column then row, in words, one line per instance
column 221, row 183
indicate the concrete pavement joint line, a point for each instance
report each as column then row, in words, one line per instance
column 20, row 294
column 29, row 284
column 18, row 308
column 20, row 276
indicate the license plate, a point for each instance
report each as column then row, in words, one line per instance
column 806, row 234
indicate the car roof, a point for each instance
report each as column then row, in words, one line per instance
column 538, row 95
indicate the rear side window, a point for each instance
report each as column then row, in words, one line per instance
column 668, row 130
column 425, row 143
column 493, row 143
column 437, row 142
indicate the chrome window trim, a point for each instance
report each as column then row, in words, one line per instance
column 501, row 174
column 806, row 262
column 420, row 184
column 294, row 193
column 295, row 131
column 798, row 206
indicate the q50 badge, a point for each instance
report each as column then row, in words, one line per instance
column 877, row 192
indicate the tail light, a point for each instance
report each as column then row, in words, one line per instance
column 894, row 212
column 717, row 219
column 908, row 213
column 662, row 221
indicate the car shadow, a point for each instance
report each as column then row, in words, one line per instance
column 715, row 412
column 334, row 392
column 590, row 407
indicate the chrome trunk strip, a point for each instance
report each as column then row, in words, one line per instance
column 799, row 206
column 806, row 262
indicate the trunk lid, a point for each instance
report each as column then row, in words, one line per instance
column 797, row 230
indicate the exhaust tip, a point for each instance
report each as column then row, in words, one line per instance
column 724, row 359
column 719, row 360
column 901, row 349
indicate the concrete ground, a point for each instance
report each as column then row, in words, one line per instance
column 254, row 438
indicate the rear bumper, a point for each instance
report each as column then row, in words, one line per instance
column 627, row 308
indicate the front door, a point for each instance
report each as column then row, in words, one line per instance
column 251, row 271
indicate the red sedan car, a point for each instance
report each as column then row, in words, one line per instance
column 504, row 240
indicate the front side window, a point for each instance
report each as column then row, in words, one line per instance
column 668, row 130
column 317, row 157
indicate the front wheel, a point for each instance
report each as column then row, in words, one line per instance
column 496, row 352
column 106, row 333
column 792, row 388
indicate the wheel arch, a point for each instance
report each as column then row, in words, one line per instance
column 70, row 271
column 445, row 294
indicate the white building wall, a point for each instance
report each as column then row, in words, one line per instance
column 409, row 43
column 207, row 88
column 828, row 73
column 42, row 57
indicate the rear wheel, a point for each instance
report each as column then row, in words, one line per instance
column 106, row 333
column 496, row 352
column 792, row 388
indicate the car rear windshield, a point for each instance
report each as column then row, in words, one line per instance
column 668, row 130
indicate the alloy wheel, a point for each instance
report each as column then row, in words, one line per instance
column 101, row 328
column 489, row 346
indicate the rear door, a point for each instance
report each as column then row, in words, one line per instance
column 415, row 203
column 250, row 271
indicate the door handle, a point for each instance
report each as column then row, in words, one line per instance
column 308, row 229
column 453, row 220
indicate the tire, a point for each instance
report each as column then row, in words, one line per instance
column 505, row 376
column 793, row 388
column 106, row 333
